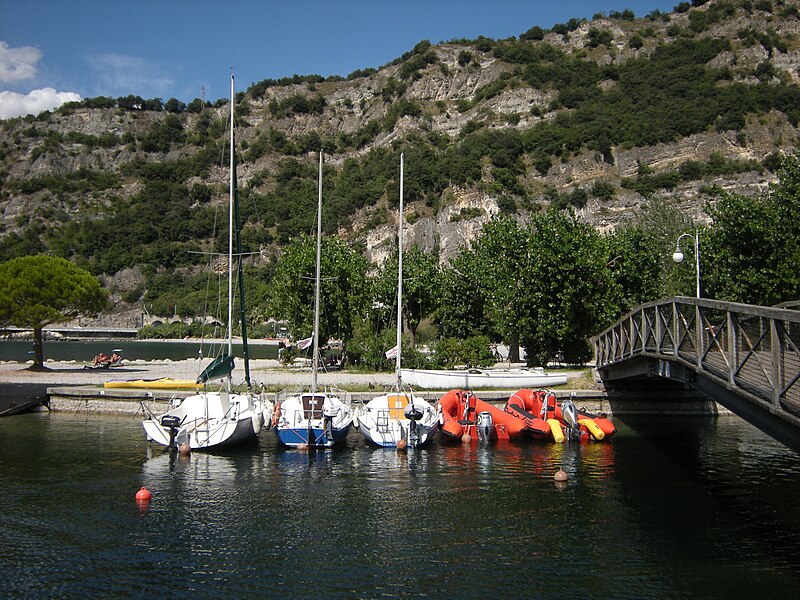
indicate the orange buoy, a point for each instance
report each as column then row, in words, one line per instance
column 185, row 449
column 143, row 499
column 303, row 447
column 402, row 444
column 143, row 495
column 560, row 475
column 466, row 438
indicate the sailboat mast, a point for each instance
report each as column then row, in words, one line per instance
column 230, row 239
column 315, row 359
column 399, row 280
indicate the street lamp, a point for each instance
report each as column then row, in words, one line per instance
column 677, row 256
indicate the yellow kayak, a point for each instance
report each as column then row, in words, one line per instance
column 165, row 383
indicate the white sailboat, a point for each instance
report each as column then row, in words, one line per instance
column 399, row 418
column 210, row 419
column 314, row 418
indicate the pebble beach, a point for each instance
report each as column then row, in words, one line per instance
column 267, row 372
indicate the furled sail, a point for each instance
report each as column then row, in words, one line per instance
column 219, row 368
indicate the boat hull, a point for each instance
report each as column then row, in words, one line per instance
column 207, row 420
column 432, row 379
column 296, row 437
column 383, row 421
column 325, row 414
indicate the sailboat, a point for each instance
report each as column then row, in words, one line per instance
column 398, row 419
column 210, row 419
column 314, row 418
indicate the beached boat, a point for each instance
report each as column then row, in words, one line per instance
column 498, row 379
column 314, row 418
column 210, row 419
column 398, row 419
column 163, row 383
column 564, row 420
column 464, row 414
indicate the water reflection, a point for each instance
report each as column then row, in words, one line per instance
column 636, row 517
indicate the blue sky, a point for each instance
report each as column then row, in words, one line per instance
column 52, row 51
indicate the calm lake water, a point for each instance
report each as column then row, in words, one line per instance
column 670, row 508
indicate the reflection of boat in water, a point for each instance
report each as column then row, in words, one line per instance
column 463, row 413
column 163, row 383
column 210, row 419
column 313, row 418
column 398, row 419
column 467, row 379
column 562, row 420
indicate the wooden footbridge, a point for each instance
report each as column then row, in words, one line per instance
column 744, row 357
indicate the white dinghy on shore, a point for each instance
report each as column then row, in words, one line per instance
column 467, row 379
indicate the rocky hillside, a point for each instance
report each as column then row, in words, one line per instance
column 596, row 116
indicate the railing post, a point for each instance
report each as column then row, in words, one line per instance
column 776, row 341
column 631, row 335
column 644, row 332
column 698, row 332
column 675, row 331
column 657, row 317
column 733, row 347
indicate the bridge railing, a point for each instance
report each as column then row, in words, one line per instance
column 754, row 349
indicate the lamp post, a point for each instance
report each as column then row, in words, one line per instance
column 677, row 256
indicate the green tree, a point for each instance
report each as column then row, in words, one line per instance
column 752, row 251
column 635, row 259
column 36, row 291
column 460, row 309
column 482, row 292
column 343, row 289
column 567, row 288
column 420, row 286
column 662, row 224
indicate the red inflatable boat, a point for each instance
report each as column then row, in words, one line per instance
column 560, row 419
column 463, row 413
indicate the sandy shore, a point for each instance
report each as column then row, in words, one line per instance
column 268, row 372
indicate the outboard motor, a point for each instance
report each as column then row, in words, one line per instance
column 329, row 412
column 484, row 426
column 173, row 423
column 570, row 415
column 413, row 414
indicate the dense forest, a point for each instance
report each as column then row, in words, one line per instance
column 539, row 140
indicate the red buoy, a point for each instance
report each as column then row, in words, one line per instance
column 143, row 496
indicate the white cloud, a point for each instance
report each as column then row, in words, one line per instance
column 17, row 64
column 13, row 104
column 123, row 75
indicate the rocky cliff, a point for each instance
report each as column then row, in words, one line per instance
column 86, row 163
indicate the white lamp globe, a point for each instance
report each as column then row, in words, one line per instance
column 677, row 256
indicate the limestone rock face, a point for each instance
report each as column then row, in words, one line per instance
column 459, row 88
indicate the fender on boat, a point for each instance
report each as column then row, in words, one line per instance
column 555, row 430
column 592, row 428
column 606, row 425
